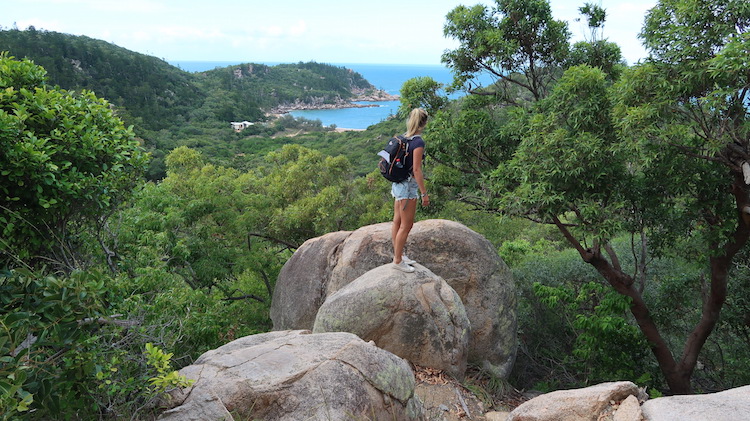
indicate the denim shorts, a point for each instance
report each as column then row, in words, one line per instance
column 407, row 189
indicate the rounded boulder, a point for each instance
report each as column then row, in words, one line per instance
column 416, row 316
column 288, row 375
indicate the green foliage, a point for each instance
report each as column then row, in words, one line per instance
column 569, row 160
column 689, row 104
column 595, row 15
column 596, row 51
column 607, row 345
column 65, row 352
column 686, row 32
column 65, row 159
column 515, row 251
column 472, row 137
column 44, row 321
column 657, row 155
column 602, row 54
column 421, row 92
column 211, row 240
column 165, row 378
column 575, row 330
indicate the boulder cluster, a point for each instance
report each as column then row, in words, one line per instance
column 349, row 328
column 343, row 281
column 350, row 331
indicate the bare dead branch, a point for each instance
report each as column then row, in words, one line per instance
column 245, row 297
column 275, row 240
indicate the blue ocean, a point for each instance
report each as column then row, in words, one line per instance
column 388, row 77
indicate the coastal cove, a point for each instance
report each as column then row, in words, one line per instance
column 386, row 77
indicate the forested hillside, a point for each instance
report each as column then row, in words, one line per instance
column 148, row 91
column 245, row 90
column 159, row 96
column 169, row 107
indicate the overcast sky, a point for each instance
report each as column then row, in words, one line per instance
column 326, row 31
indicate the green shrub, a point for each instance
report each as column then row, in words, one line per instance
column 44, row 321
column 65, row 159
column 65, row 353
column 573, row 329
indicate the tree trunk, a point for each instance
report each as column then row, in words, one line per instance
column 678, row 379
column 624, row 284
column 677, row 374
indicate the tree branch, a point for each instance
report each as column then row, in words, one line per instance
column 613, row 257
column 586, row 255
column 689, row 152
column 244, row 297
column 509, row 79
column 267, row 282
column 111, row 320
column 275, row 240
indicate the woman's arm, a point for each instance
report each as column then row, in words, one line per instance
column 419, row 175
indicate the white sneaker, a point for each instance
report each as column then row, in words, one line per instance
column 403, row 267
column 405, row 258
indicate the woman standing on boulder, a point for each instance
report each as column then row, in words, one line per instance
column 406, row 192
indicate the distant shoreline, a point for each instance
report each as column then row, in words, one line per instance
column 362, row 96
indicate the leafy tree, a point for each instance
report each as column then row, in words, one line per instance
column 658, row 156
column 42, row 317
column 600, row 53
column 687, row 109
column 63, row 355
column 517, row 41
column 595, row 16
column 66, row 161
column 597, row 51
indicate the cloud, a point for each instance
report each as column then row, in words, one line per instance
column 274, row 31
column 182, row 32
column 300, row 28
column 293, row 30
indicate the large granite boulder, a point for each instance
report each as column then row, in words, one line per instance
column 624, row 401
column 464, row 259
column 728, row 405
column 587, row 404
column 416, row 316
column 302, row 285
column 295, row 375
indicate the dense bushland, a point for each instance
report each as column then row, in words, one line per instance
column 604, row 188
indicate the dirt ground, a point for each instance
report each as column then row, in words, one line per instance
column 446, row 399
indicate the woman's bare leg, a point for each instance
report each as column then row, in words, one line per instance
column 403, row 220
column 395, row 227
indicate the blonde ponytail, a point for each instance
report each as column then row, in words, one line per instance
column 416, row 122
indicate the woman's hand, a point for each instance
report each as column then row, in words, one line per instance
column 425, row 199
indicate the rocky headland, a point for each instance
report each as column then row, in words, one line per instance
column 323, row 103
